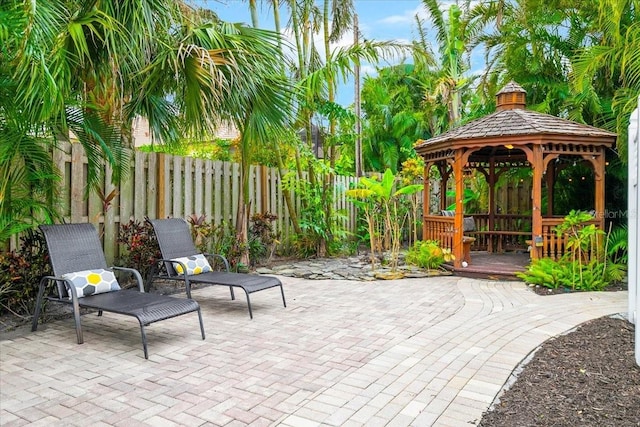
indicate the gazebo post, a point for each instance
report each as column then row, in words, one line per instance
column 458, row 249
column 598, row 163
column 427, row 187
column 537, row 165
column 426, row 202
column 492, row 200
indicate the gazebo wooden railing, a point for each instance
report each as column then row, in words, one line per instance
column 554, row 246
column 440, row 228
column 509, row 232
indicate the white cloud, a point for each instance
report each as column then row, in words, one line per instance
column 408, row 17
column 369, row 70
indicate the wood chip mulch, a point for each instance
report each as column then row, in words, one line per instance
column 587, row 377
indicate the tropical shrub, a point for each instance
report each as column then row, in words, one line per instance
column 220, row 239
column 426, row 254
column 20, row 274
column 385, row 213
column 563, row 273
column 216, row 149
column 322, row 230
column 549, row 273
column 262, row 238
column 586, row 266
column 139, row 246
column 617, row 245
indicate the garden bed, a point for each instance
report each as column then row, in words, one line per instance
column 585, row 378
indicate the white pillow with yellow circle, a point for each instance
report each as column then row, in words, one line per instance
column 92, row 282
column 195, row 264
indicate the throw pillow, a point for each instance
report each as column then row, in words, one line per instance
column 196, row 264
column 468, row 224
column 92, row 282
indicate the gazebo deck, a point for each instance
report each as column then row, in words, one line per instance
column 494, row 266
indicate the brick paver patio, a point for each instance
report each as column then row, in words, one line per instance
column 417, row 352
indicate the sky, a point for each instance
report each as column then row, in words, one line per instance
column 380, row 20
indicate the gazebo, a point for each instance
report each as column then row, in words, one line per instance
column 512, row 137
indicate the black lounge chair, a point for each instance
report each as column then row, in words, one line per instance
column 174, row 239
column 76, row 248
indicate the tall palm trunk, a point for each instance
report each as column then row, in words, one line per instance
column 288, row 199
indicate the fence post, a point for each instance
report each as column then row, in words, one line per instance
column 162, row 190
column 264, row 207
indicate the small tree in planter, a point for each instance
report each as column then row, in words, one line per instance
column 379, row 196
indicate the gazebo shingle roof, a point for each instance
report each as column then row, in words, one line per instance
column 513, row 123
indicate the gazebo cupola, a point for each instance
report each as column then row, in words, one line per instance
column 510, row 97
column 511, row 137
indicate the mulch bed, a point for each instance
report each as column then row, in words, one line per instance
column 587, row 377
column 541, row 290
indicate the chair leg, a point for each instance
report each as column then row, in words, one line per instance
column 282, row 291
column 99, row 312
column 76, row 317
column 201, row 324
column 249, row 304
column 233, row 295
column 144, row 340
column 150, row 275
column 187, row 286
column 36, row 312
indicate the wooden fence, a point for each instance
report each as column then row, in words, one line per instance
column 161, row 185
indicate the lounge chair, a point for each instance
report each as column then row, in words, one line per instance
column 77, row 259
column 177, row 247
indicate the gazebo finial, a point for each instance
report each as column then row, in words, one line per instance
column 511, row 97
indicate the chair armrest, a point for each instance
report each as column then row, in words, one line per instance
column 168, row 276
column 74, row 300
column 135, row 273
column 223, row 258
column 173, row 261
column 71, row 290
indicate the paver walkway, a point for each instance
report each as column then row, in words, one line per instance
column 417, row 352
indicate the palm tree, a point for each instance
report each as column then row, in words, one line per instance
column 50, row 61
column 534, row 47
column 608, row 68
column 392, row 102
column 93, row 66
column 454, row 35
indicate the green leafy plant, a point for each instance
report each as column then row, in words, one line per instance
column 426, row 254
column 140, row 246
column 319, row 227
column 379, row 196
column 617, row 245
column 549, row 273
column 262, row 238
column 470, row 200
column 20, row 274
column 412, row 173
column 216, row 239
column 585, row 267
